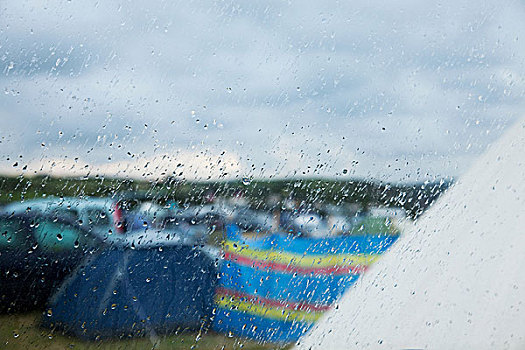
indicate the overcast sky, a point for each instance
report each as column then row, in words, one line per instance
column 395, row 91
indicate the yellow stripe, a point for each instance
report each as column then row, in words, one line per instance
column 277, row 313
column 310, row 260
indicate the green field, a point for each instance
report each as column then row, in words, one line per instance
column 375, row 225
column 23, row 331
column 414, row 198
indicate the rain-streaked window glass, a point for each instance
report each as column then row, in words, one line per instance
column 260, row 175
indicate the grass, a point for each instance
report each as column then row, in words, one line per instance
column 375, row 225
column 23, row 331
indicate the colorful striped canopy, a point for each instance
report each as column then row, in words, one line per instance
column 274, row 288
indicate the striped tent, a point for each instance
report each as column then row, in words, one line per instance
column 274, row 288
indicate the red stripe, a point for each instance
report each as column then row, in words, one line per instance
column 335, row 270
column 118, row 218
column 272, row 302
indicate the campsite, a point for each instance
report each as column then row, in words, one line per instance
column 262, row 174
column 148, row 267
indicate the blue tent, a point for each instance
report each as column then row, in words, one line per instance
column 273, row 288
column 124, row 292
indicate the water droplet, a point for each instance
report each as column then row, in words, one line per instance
column 49, row 313
column 59, row 237
column 246, row 181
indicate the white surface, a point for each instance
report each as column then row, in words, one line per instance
column 457, row 279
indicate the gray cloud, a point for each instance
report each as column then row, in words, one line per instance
column 285, row 87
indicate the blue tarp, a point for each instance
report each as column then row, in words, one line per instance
column 123, row 292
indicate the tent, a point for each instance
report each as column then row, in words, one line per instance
column 142, row 291
column 455, row 281
column 275, row 287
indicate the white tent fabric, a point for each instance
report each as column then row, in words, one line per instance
column 454, row 281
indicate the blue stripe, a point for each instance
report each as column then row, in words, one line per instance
column 365, row 244
column 322, row 289
column 259, row 328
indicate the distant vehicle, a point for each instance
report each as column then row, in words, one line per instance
column 253, row 220
column 391, row 212
column 109, row 219
column 103, row 216
column 210, row 214
column 219, row 215
column 310, row 224
column 317, row 225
